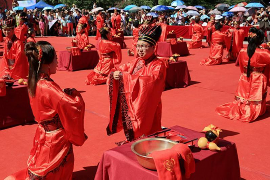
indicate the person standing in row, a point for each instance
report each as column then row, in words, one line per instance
column 110, row 56
column 59, row 114
column 135, row 90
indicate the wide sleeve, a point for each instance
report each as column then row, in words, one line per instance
column 71, row 109
column 117, row 56
column 240, row 59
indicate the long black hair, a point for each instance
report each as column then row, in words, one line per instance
column 33, row 54
column 253, row 42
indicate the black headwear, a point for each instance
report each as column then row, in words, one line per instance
column 150, row 34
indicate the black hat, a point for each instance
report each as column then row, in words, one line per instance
column 150, row 34
column 9, row 23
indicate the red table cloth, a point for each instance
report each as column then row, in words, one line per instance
column 165, row 49
column 15, row 107
column 87, row 60
column 120, row 40
column 177, row 75
column 120, row 163
column 186, row 31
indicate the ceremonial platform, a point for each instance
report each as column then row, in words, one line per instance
column 192, row 107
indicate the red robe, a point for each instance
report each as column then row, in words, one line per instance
column 250, row 97
column 210, row 32
column 109, row 56
column 31, row 39
column 234, row 43
column 17, row 56
column 135, row 99
column 60, row 119
column 100, row 24
column 135, row 40
column 116, row 23
column 216, row 49
column 197, row 35
column 83, row 20
column 163, row 32
column 82, row 40
column 21, row 32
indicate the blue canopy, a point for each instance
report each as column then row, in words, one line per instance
column 177, row 3
column 145, row 7
column 255, row 5
column 154, row 15
column 18, row 8
column 171, row 8
column 161, row 8
column 203, row 17
column 127, row 8
column 113, row 8
column 230, row 14
column 59, row 6
column 199, row 7
column 40, row 5
column 231, row 7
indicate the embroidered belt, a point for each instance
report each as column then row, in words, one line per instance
column 52, row 124
column 254, row 69
column 243, row 100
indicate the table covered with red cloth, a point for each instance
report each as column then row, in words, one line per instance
column 87, row 60
column 177, row 75
column 120, row 40
column 165, row 49
column 15, row 107
column 120, row 163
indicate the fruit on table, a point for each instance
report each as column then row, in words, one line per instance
column 20, row 81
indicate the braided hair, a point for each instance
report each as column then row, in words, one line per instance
column 255, row 38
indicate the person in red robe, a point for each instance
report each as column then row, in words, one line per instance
column 83, row 21
column 116, row 22
column 135, row 33
column 31, row 36
column 234, row 41
column 81, row 39
column 163, row 28
column 109, row 56
column 14, row 63
column 59, row 114
column 210, row 30
column 197, row 35
column 135, row 90
column 100, row 24
column 250, row 97
column 216, row 47
column 21, row 29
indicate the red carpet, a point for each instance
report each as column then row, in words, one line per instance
column 192, row 107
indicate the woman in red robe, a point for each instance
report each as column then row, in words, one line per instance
column 100, row 24
column 31, row 36
column 116, row 22
column 216, row 47
column 109, row 56
column 197, row 35
column 234, row 41
column 250, row 97
column 60, row 117
column 81, row 39
column 210, row 29
column 14, row 63
column 135, row 90
column 163, row 28
column 135, row 33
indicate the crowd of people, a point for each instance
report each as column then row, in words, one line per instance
column 63, row 22
column 135, row 88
